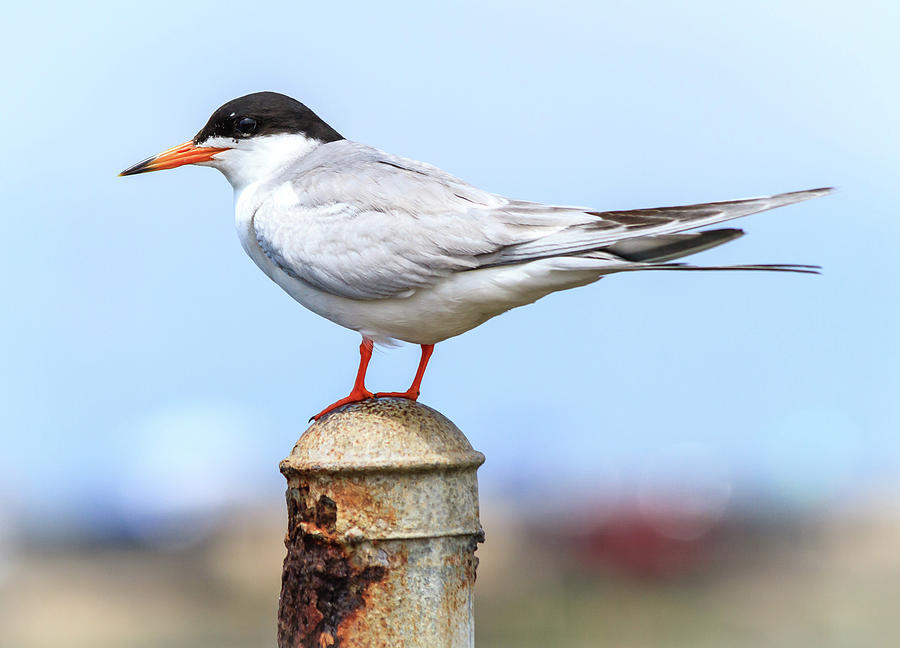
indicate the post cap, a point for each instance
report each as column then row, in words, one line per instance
column 382, row 434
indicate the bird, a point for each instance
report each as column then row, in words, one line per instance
column 400, row 250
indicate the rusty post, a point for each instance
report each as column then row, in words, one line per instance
column 382, row 528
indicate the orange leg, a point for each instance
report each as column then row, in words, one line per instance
column 359, row 391
column 413, row 392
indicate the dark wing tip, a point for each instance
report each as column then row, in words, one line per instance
column 812, row 193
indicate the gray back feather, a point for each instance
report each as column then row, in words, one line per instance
column 356, row 222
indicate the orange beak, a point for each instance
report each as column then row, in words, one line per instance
column 176, row 156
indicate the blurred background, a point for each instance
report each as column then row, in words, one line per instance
column 672, row 459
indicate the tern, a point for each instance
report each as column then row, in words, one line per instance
column 397, row 249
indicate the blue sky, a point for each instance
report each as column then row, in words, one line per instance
column 142, row 349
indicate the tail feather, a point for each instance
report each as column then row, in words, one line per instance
column 665, row 247
column 654, row 252
column 765, row 267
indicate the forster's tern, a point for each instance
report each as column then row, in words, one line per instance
column 400, row 250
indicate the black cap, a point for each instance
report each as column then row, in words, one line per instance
column 265, row 113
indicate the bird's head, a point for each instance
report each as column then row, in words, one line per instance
column 248, row 139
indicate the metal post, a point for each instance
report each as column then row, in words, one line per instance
column 382, row 528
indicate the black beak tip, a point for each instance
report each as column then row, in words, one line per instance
column 140, row 167
column 132, row 170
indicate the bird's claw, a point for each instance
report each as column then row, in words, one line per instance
column 409, row 395
column 354, row 397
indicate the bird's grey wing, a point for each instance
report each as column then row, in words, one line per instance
column 356, row 222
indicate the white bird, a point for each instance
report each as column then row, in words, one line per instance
column 401, row 250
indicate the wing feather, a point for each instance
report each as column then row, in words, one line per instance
column 356, row 222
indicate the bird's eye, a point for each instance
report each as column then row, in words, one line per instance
column 245, row 125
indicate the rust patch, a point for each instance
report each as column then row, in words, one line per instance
column 320, row 587
column 471, row 558
column 326, row 513
column 357, row 496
